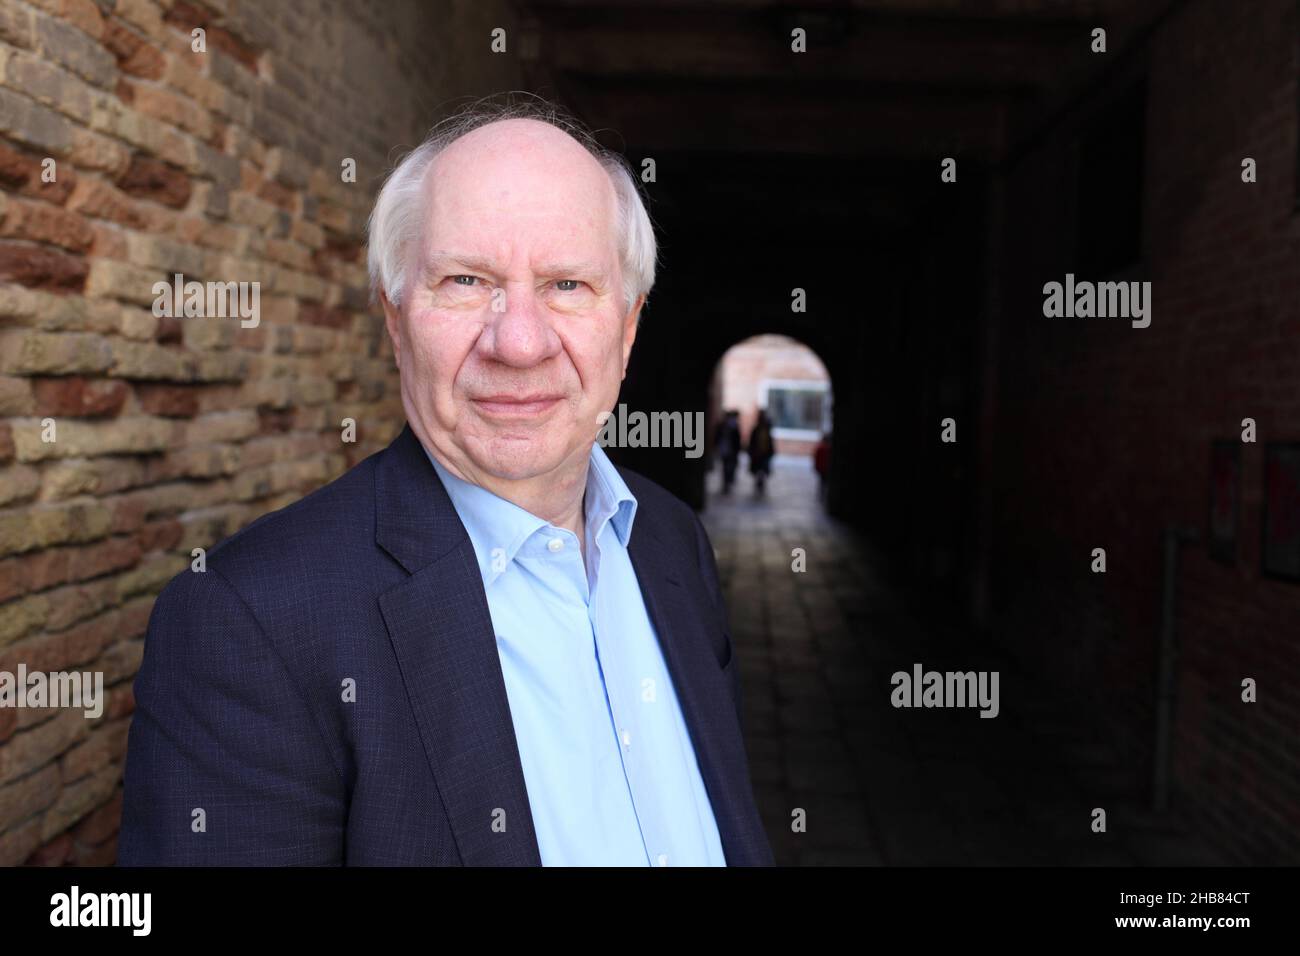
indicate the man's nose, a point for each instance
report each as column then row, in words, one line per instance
column 518, row 330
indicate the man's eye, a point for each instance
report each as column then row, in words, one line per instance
column 470, row 280
column 573, row 284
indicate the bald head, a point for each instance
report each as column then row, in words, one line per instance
column 526, row 148
column 546, row 147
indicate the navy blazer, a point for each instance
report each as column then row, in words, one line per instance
column 243, row 750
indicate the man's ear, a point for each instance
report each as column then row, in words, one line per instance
column 630, row 324
column 393, row 322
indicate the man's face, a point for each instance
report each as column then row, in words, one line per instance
column 511, row 337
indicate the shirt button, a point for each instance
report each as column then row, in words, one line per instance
column 627, row 739
column 555, row 544
column 663, row 859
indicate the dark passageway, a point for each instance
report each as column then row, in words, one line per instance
column 889, row 786
column 1014, row 469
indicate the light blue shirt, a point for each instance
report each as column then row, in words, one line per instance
column 607, row 758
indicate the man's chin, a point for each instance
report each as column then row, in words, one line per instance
column 519, row 459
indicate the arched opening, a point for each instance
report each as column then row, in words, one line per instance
column 775, row 384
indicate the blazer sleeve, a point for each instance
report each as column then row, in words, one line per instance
column 709, row 571
column 225, row 765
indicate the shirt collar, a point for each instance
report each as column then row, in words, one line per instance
column 498, row 528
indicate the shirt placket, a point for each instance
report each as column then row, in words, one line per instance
column 624, row 688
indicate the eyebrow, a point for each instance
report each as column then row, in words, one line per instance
column 438, row 261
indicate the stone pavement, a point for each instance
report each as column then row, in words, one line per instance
column 893, row 786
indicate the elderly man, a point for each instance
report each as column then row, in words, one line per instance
column 485, row 644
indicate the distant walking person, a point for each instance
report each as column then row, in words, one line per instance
column 727, row 444
column 760, row 451
column 822, row 463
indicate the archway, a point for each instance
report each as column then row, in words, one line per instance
column 781, row 378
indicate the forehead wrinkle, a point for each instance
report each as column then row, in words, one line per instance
column 440, row 259
column 559, row 267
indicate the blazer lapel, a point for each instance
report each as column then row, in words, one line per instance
column 705, row 698
column 441, row 629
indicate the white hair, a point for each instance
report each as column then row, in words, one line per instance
column 397, row 216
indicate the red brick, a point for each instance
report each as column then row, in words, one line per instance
column 78, row 396
column 67, row 649
column 84, row 15
column 171, row 401
column 349, row 250
column 314, row 313
column 180, row 111
column 186, row 16
column 55, row 853
column 134, row 55
column 108, row 242
column 105, row 745
column 251, row 339
column 100, row 200
column 42, row 222
column 128, row 515
column 32, row 572
column 135, row 617
column 74, row 604
column 228, row 43
column 42, row 268
column 101, row 824
column 16, row 168
column 149, row 178
column 121, row 700
column 113, row 554
column 21, row 172
column 169, row 330
column 275, row 420
column 159, row 535
column 217, row 139
column 279, row 195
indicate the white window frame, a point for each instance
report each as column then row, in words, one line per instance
column 765, row 385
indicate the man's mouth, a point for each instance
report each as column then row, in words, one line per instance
column 516, row 406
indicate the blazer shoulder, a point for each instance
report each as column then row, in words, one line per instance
column 326, row 525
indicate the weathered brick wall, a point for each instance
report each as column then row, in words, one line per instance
column 171, row 433
column 1104, row 430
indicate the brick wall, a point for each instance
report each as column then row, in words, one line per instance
column 170, row 434
column 1104, row 430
